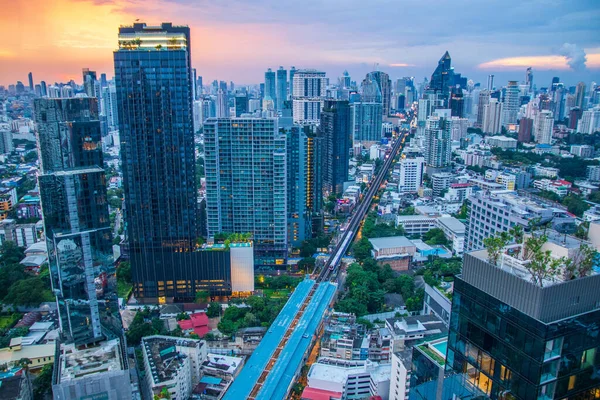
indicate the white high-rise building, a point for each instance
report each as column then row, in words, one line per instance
column 424, row 110
column 543, row 126
column 400, row 375
column 222, row 109
column 308, row 94
column 482, row 101
column 109, row 108
column 197, row 113
column 254, row 105
column 589, row 122
column 511, row 104
column 438, row 144
column 492, row 117
column 411, row 174
column 458, row 127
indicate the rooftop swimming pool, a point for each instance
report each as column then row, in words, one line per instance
column 441, row 347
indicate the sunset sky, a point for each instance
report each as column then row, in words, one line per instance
column 239, row 39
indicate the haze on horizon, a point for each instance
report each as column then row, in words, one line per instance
column 239, row 40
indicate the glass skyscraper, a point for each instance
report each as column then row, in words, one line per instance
column 511, row 339
column 281, row 88
column 246, row 183
column 367, row 119
column 303, row 187
column 336, row 130
column 270, row 87
column 385, row 86
column 78, row 235
column 154, row 97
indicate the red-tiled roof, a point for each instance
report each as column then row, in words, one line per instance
column 198, row 322
column 185, row 324
column 199, row 319
column 319, row 394
column 201, row 331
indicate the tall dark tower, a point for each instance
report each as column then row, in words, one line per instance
column 443, row 76
column 30, row 76
column 153, row 79
column 336, row 129
column 457, row 103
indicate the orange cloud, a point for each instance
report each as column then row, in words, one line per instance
column 538, row 62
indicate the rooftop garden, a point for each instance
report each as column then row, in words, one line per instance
column 432, row 354
column 528, row 252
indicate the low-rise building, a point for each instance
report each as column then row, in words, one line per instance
column 397, row 251
column 94, row 372
column 582, row 150
column 198, row 324
column 172, row 364
column 218, row 371
column 458, row 192
column 15, row 384
column 354, row 379
column 504, row 142
column 406, row 331
column 39, row 355
column 437, row 303
column 454, row 230
column 440, row 182
column 593, row 173
column 415, row 224
column 559, row 187
column 545, row 172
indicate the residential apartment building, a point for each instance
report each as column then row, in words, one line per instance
column 246, row 183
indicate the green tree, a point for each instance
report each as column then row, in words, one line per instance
column 182, row 316
column 43, row 382
column 542, row 265
column 362, row 249
column 434, row 237
column 202, row 296
column 494, row 246
column 10, row 253
column 214, row 310
column 28, row 292
column 575, row 205
column 307, row 264
column 227, row 327
column 124, row 272
column 138, row 329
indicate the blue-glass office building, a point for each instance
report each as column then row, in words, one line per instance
column 154, row 95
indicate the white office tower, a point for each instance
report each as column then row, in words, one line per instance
column 411, row 174
column 66, row 91
column 589, row 122
column 307, row 96
column 511, row 104
column 197, row 113
column 482, row 101
column 542, row 127
column 458, row 127
column 222, row 109
column 424, row 111
column 492, row 117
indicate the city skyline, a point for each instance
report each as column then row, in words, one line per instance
column 267, row 34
